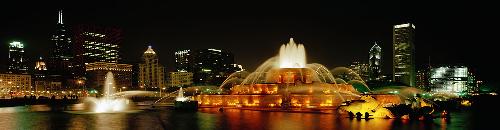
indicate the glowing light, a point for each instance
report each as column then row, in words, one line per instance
column 404, row 25
column 292, row 55
column 150, row 50
column 16, row 44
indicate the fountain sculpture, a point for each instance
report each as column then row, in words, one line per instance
column 284, row 81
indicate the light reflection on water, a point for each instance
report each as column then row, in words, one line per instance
column 44, row 117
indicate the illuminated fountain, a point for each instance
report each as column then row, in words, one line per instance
column 109, row 103
column 284, row 81
column 180, row 97
column 287, row 82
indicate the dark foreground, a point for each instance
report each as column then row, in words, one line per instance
column 44, row 117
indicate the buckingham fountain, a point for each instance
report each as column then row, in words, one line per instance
column 287, row 82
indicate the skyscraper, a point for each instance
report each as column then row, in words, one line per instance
column 375, row 62
column 151, row 72
column 61, row 61
column 17, row 61
column 404, row 54
column 182, row 60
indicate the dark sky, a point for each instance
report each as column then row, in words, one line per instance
column 334, row 33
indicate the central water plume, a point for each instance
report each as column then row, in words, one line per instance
column 109, row 103
column 292, row 55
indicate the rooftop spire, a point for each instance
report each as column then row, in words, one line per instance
column 150, row 50
column 60, row 20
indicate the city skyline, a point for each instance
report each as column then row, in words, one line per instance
column 333, row 35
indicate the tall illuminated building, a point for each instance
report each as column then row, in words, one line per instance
column 404, row 54
column 17, row 60
column 182, row 60
column 61, row 62
column 96, row 44
column 151, row 72
column 375, row 62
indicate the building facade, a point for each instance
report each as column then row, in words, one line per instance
column 404, row 54
column 151, row 72
column 97, row 44
column 97, row 71
column 375, row 62
column 451, row 79
column 15, row 84
column 40, row 76
column 17, row 60
column 179, row 79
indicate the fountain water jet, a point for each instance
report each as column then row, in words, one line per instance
column 109, row 103
column 292, row 55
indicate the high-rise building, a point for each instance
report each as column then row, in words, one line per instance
column 96, row 44
column 375, row 62
column 362, row 69
column 182, row 60
column 17, row 60
column 451, row 79
column 151, row 72
column 180, row 79
column 404, row 54
column 211, row 66
column 61, row 62
column 97, row 72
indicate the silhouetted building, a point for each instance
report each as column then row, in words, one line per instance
column 361, row 69
column 135, row 76
column 211, row 66
column 182, row 60
column 151, row 72
column 375, row 62
column 404, row 54
column 61, row 62
column 97, row 71
column 422, row 80
column 17, row 60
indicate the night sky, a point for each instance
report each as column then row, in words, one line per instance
column 334, row 33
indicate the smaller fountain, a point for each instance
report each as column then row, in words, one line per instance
column 184, row 103
column 180, row 97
